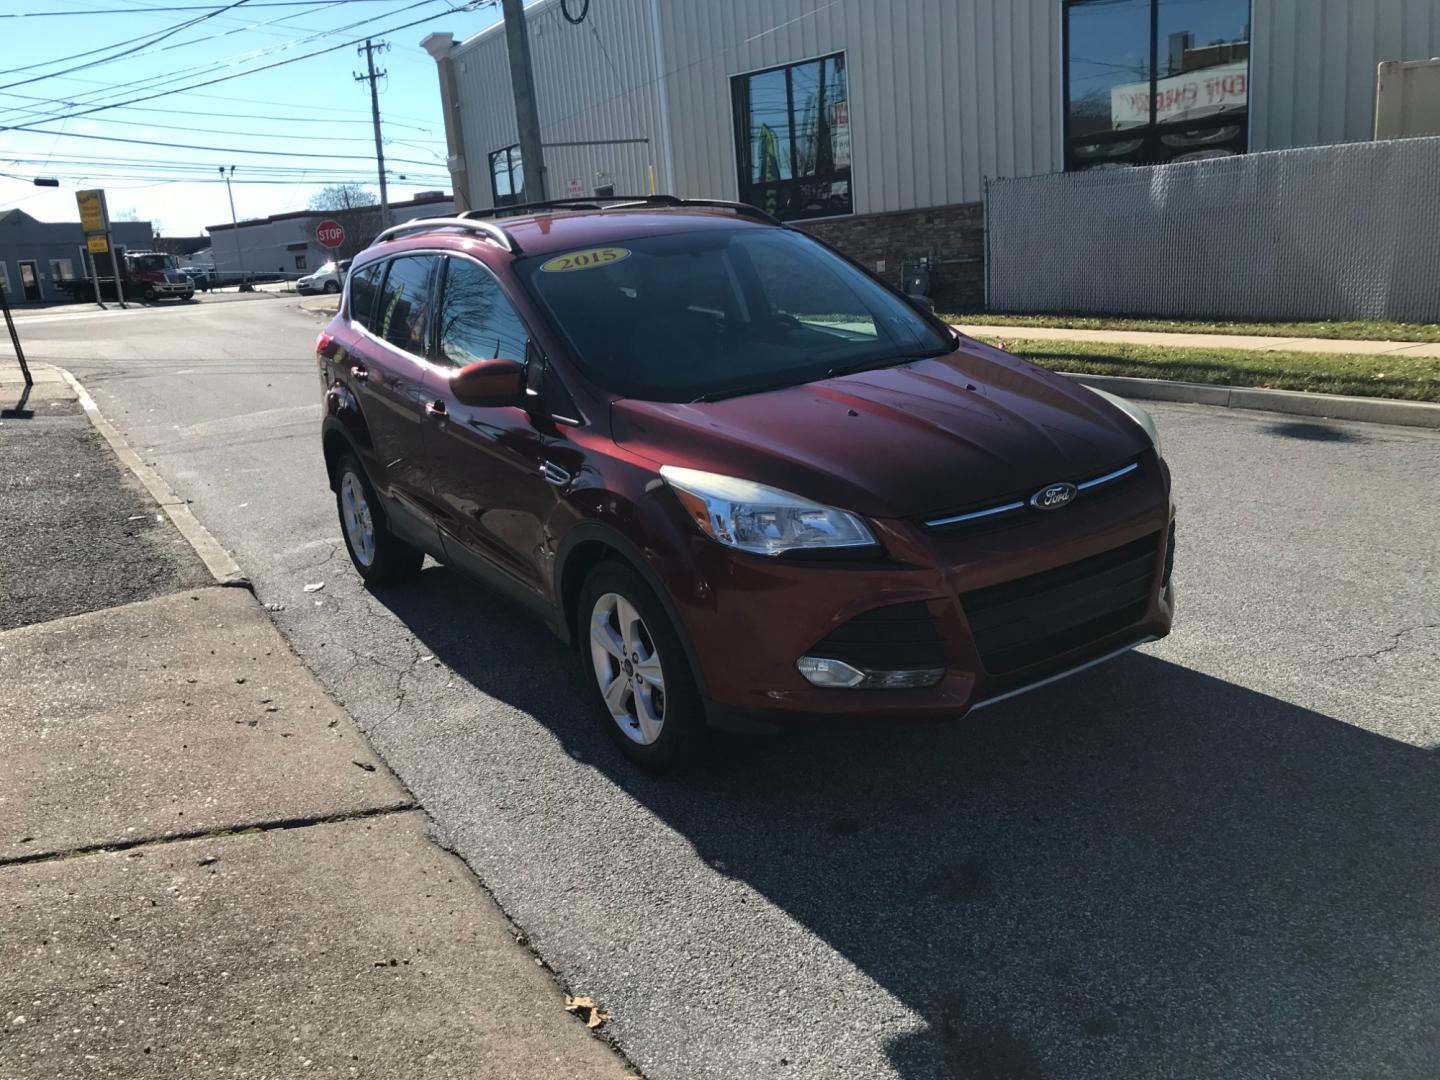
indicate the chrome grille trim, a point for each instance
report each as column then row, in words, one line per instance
column 973, row 516
column 1116, row 475
column 1005, row 508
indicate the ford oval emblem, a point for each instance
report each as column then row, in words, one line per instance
column 1053, row 497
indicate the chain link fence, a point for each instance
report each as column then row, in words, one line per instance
column 1331, row 232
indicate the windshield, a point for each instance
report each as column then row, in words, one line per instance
column 720, row 313
column 328, row 268
column 154, row 262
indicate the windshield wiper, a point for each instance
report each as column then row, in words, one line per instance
column 885, row 361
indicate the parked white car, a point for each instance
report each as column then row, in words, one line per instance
column 329, row 278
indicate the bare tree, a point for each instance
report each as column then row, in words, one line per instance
column 343, row 197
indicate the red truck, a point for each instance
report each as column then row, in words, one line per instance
column 146, row 275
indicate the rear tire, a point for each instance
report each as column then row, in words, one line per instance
column 379, row 556
column 332, row 286
column 638, row 672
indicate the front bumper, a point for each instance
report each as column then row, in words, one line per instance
column 752, row 618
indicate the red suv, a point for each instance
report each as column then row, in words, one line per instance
column 748, row 480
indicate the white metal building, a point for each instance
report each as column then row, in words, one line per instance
column 839, row 110
column 285, row 245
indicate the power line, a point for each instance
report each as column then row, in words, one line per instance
column 213, row 149
column 157, row 81
column 191, row 7
column 154, row 39
column 327, row 120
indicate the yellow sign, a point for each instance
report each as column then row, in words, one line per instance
column 584, row 260
column 92, row 211
column 97, row 244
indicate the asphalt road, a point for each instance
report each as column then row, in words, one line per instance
column 1218, row 857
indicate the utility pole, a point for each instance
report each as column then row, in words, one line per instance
column 235, row 228
column 527, row 116
column 370, row 50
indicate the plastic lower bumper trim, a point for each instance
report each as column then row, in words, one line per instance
column 1048, row 679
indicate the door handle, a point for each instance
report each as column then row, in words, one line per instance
column 360, row 373
column 437, row 409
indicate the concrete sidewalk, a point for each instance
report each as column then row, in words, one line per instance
column 204, row 868
column 1248, row 342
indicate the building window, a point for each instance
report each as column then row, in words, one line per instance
column 62, row 270
column 792, row 131
column 1151, row 81
column 4, row 278
column 507, row 177
column 299, row 262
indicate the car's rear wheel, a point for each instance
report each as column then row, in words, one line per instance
column 380, row 556
column 637, row 666
column 332, row 286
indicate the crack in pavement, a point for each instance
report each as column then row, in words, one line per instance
column 273, row 825
column 1393, row 646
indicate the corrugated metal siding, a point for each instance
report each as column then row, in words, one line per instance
column 1312, row 69
column 593, row 81
column 942, row 92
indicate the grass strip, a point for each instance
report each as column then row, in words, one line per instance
column 1409, row 377
column 1354, row 331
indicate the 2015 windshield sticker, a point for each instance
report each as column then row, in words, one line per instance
column 584, row 260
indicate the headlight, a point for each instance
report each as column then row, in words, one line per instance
column 764, row 520
column 1130, row 409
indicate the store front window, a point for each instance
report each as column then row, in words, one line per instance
column 507, row 177
column 1151, row 81
column 792, row 130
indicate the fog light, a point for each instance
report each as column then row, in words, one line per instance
column 837, row 674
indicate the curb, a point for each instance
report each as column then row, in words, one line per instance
column 222, row 566
column 1418, row 414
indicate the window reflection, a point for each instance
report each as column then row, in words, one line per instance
column 793, row 131
column 1137, row 97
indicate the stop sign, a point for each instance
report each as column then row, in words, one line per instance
column 330, row 233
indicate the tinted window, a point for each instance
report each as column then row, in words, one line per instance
column 723, row 312
column 477, row 322
column 793, row 130
column 403, row 314
column 364, row 284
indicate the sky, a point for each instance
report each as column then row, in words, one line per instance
column 296, row 113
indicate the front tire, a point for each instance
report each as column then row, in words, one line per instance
column 379, row 556
column 187, row 296
column 637, row 668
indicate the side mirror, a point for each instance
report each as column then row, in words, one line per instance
column 490, row 384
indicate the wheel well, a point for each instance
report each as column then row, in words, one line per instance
column 335, row 445
column 586, row 556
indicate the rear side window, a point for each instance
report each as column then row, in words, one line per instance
column 477, row 322
column 403, row 315
column 364, row 284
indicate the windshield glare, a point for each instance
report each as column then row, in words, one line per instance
column 725, row 312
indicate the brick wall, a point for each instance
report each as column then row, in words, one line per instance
column 893, row 238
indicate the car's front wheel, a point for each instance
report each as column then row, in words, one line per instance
column 380, row 556
column 637, row 666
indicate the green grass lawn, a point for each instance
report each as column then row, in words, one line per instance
column 1414, row 378
column 1360, row 331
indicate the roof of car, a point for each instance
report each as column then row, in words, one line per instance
column 565, row 230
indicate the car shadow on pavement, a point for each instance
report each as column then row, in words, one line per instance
column 1140, row 871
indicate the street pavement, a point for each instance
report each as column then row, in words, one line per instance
column 1217, row 857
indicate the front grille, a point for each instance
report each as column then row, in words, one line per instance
column 901, row 637
column 1026, row 621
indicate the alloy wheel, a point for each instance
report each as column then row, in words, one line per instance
column 627, row 668
column 355, row 514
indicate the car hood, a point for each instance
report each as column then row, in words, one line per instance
column 975, row 426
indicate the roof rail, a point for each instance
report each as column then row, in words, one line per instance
column 489, row 229
column 623, row 202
